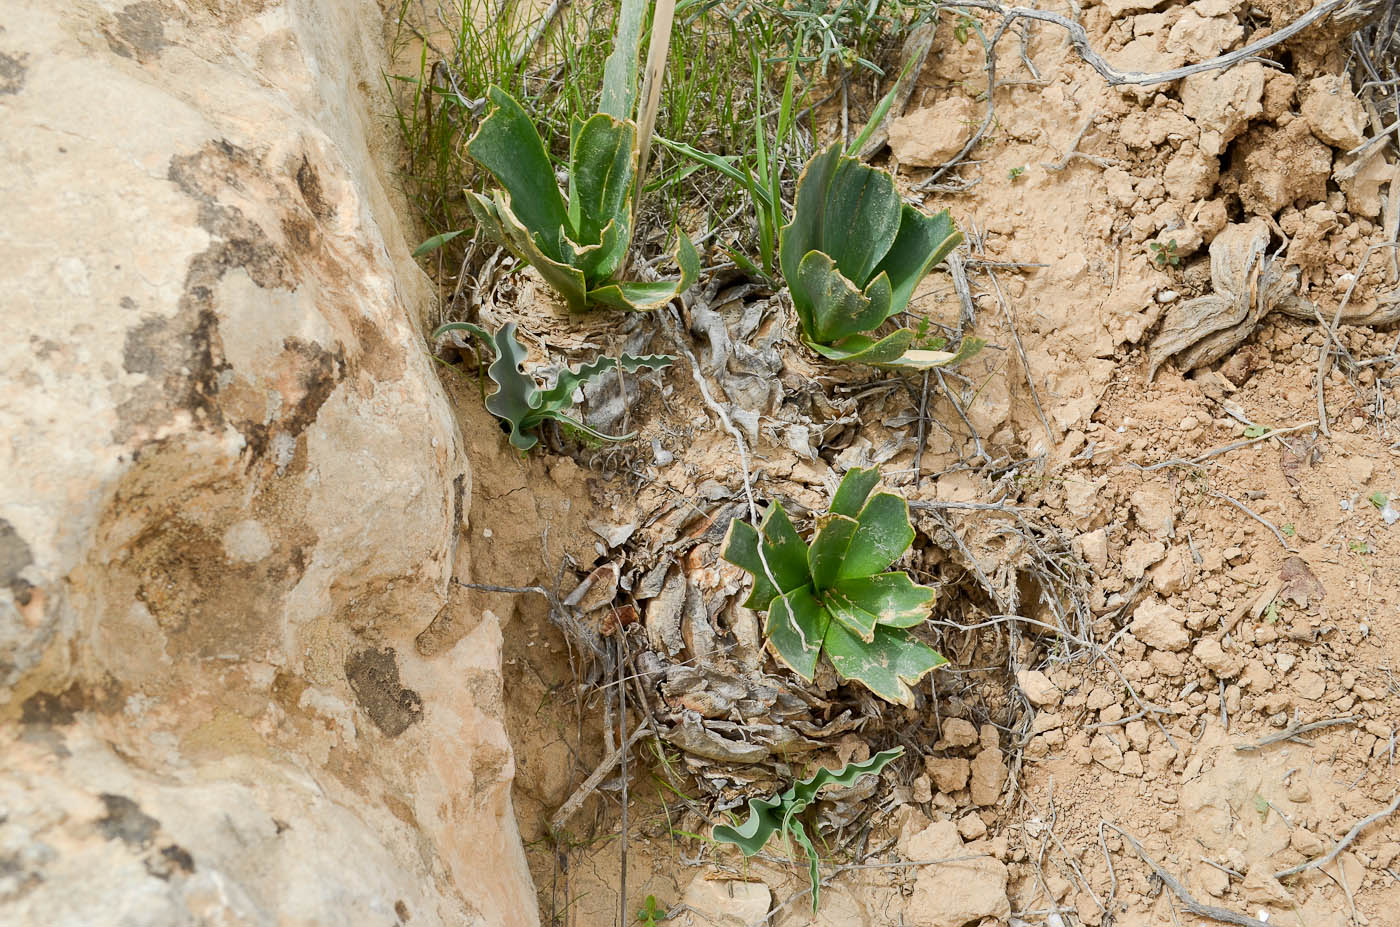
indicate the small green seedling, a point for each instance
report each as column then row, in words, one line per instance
column 852, row 255
column 779, row 814
column 963, row 30
column 519, row 402
column 651, row 913
column 833, row 596
column 1016, row 172
column 1257, row 431
column 1162, row 255
column 1379, row 500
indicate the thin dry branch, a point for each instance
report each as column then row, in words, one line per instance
column 1345, row 842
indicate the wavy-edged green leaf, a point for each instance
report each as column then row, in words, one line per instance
column 516, row 397
column 436, row 242
column 796, row 627
column 561, row 394
column 884, row 534
column 863, row 218
column 603, row 167
column 642, row 297
column 828, row 548
column 805, row 792
column 799, row 833
column 764, row 820
column 804, row 233
column 741, row 549
column 567, row 281
column 620, row 70
column 856, row 619
column 922, row 241
column 509, row 147
column 919, row 359
column 784, row 549
column 887, row 665
column 855, row 488
column 894, row 599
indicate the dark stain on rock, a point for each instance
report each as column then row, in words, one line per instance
column 309, row 183
column 15, row 556
column 125, row 821
column 56, row 709
column 170, row 861
column 401, row 911
column 13, row 72
column 139, row 31
column 459, row 491
column 374, row 678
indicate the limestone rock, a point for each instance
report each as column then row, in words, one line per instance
column 934, row 135
column 1093, row 547
column 949, row 773
column 1153, row 508
column 957, row 732
column 1214, row 658
column 953, row 894
column 1223, row 102
column 1039, row 689
column 988, row 776
column 1106, row 753
column 1140, row 555
column 726, row 902
column 1200, row 37
column 1276, row 166
column 233, row 491
column 1333, row 112
column 1309, row 685
column 1157, row 624
column 1260, row 887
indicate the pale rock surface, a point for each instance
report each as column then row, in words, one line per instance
column 934, row 135
column 1154, row 510
column 726, row 902
column 1157, row 624
column 1222, row 103
column 1140, row 555
column 1106, row 753
column 1214, row 658
column 957, row 732
column 1039, row 689
column 988, row 776
column 953, row 894
column 1198, row 37
column 1333, row 112
column 233, row 489
column 1278, row 165
column 948, row 773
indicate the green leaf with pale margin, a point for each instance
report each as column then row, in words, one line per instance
column 839, row 600
column 509, row 147
column 741, row 549
column 852, row 256
column 893, row 598
column 855, row 488
column 603, row 167
column 883, row 535
column 828, row 549
column 887, row 665
column 641, row 297
column 796, row 626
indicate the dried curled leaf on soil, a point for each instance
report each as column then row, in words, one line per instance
column 831, row 595
column 1248, row 284
column 519, row 402
column 779, row 813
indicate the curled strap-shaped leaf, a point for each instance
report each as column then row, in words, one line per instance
column 641, row 297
